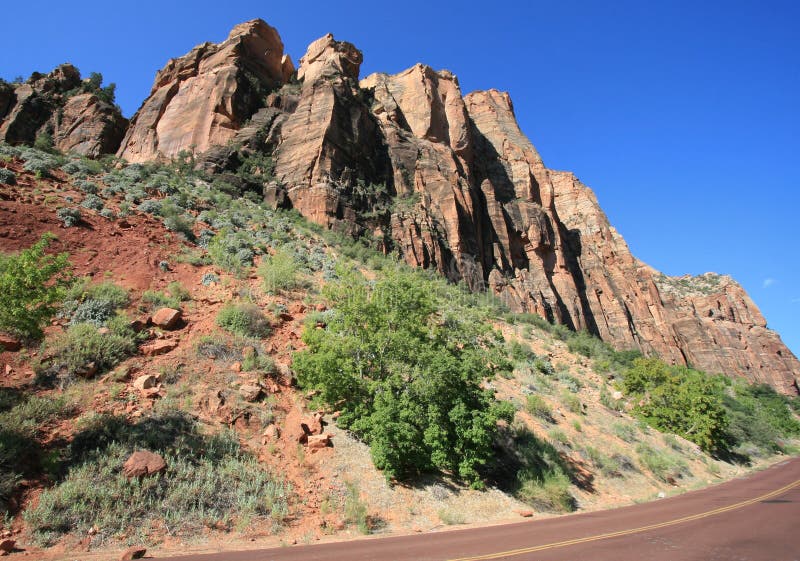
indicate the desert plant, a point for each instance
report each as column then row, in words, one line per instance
column 31, row 285
column 82, row 350
column 69, row 216
column 93, row 202
column 210, row 479
column 243, row 319
column 549, row 492
column 7, row 177
column 663, row 465
column 95, row 303
column 538, row 407
column 278, row 272
column 355, row 510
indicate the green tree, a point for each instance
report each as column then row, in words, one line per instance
column 32, row 283
column 679, row 400
column 406, row 375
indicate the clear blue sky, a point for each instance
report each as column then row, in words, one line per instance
column 684, row 117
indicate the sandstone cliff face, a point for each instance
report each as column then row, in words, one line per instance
column 52, row 104
column 465, row 193
column 202, row 98
column 330, row 141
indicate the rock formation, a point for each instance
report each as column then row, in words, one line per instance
column 56, row 104
column 450, row 182
column 202, row 98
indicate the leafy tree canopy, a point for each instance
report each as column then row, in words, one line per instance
column 405, row 369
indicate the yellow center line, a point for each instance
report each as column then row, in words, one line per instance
column 638, row 530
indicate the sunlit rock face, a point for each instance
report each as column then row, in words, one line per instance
column 461, row 190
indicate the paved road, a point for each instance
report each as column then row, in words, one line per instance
column 752, row 519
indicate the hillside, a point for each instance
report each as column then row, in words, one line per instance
column 217, row 395
column 442, row 180
column 282, row 305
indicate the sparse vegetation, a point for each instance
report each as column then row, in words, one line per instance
column 22, row 420
column 243, row 318
column 355, row 510
column 278, row 272
column 7, row 177
column 209, row 481
column 538, row 407
column 82, row 351
column 665, row 466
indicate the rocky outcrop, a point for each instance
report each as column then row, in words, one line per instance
column 202, row 98
column 329, row 145
column 58, row 104
column 450, row 182
column 89, row 126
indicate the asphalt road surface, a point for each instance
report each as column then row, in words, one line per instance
column 751, row 519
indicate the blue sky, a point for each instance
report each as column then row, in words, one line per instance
column 682, row 116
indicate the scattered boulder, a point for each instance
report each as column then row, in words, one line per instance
column 250, row 392
column 143, row 463
column 270, row 434
column 313, row 424
column 285, row 372
column 145, row 382
column 7, row 546
column 140, row 324
column 236, row 366
column 525, row 513
column 158, row 348
column 9, row 343
column 317, row 441
column 133, row 552
column 167, row 318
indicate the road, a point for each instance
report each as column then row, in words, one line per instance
column 751, row 519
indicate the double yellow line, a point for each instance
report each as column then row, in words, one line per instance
column 599, row 537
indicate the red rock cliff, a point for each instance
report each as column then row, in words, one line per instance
column 467, row 192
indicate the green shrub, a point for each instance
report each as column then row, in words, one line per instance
column 93, row 202
column 278, row 272
column 39, row 164
column 664, row 466
column 7, row 177
column 233, row 251
column 175, row 294
column 69, row 216
column 406, row 375
column 544, row 366
column 31, row 285
column 572, row 402
column 538, row 407
column 91, row 303
column 760, row 419
column 549, row 493
column 243, row 319
column 83, row 350
column 679, row 400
